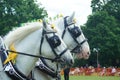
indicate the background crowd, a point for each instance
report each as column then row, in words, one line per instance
column 91, row 71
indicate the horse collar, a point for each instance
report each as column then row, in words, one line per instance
column 10, row 69
column 43, row 66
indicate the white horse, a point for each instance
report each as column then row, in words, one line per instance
column 73, row 36
column 31, row 41
column 74, row 39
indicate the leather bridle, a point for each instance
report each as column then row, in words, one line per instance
column 79, row 44
column 14, row 72
column 57, row 57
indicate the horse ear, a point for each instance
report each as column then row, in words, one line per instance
column 44, row 24
column 70, row 18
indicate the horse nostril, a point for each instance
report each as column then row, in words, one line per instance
column 72, row 61
column 88, row 53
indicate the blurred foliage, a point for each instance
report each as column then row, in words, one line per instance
column 15, row 12
column 103, row 31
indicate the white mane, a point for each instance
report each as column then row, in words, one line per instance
column 19, row 33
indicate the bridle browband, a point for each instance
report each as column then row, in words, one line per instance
column 73, row 36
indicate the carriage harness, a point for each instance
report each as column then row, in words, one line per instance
column 13, row 72
column 74, row 32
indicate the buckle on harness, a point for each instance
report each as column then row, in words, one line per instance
column 40, row 64
column 8, row 68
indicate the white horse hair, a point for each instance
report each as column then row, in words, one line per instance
column 27, row 39
column 69, row 41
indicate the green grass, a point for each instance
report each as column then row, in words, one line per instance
column 93, row 78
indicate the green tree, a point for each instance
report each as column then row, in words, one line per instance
column 96, row 5
column 15, row 12
column 103, row 31
column 111, row 6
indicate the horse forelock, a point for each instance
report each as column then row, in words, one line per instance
column 21, row 32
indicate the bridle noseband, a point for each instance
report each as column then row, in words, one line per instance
column 74, row 32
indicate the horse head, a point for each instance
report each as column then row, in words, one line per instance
column 57, row 45
column 30, row 42
column 73, row 36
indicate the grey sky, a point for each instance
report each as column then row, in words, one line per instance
column 81, row 8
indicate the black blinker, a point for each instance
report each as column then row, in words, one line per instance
column 54, row 41
column 75, row 32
